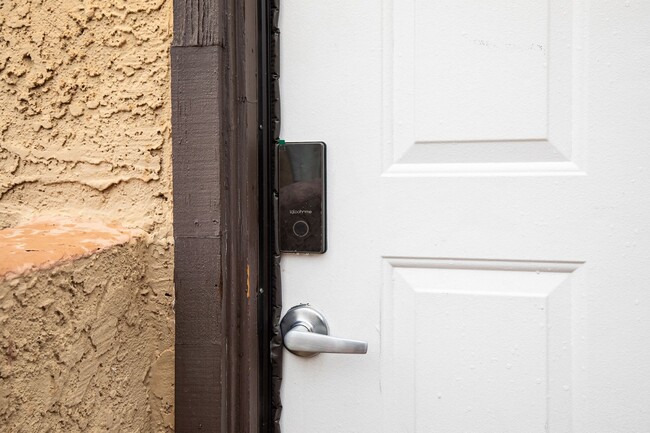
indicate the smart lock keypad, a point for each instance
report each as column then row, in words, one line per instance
column 301, row 194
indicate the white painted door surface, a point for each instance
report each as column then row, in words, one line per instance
column 489, row 214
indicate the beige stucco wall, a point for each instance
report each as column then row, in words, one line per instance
column 85, row 347
column 85, row 110
column 85, row 132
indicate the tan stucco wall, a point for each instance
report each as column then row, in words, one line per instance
column 85, row 132
column 85, row 347
column 85, row 110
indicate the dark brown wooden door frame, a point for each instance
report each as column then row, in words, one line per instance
column 225, row 120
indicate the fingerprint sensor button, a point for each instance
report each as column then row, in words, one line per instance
column 300, row 228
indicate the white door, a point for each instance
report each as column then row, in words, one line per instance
column 489, row 214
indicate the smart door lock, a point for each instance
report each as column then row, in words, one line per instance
column 301, row 197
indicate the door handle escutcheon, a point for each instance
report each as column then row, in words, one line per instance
column 305, row 333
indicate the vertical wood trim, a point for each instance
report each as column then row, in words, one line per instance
column 216, row 196
column 199, row 23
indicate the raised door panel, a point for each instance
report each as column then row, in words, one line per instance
column 477, row 345
column 482, row 87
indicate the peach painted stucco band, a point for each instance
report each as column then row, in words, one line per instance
column 43, row 244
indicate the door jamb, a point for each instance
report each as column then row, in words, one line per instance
column 216, row 177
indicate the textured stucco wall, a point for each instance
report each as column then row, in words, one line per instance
column 85, row 128
column 85, row 110
column 84, row 347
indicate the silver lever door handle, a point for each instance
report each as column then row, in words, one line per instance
column 301, row 340
column 305, row 333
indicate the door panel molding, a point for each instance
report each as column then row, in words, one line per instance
column 441, row 116
column 445, row 312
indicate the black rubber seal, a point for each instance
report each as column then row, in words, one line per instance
column 270, row 292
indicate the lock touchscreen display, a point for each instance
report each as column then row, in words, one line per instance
column 301, row 196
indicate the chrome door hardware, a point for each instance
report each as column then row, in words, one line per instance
column 306, row 333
